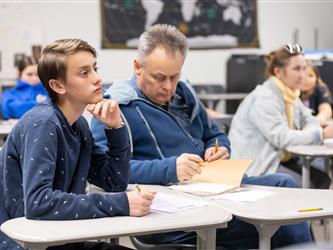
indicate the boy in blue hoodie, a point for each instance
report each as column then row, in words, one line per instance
column 50, row 154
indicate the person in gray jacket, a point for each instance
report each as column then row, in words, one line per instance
column 272, row 117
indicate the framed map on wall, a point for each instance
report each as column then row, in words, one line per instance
column 208, row 24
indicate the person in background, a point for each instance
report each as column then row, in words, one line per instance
column 316, row 95
column 272, row 117
column 170, row 134
column 28, row 91
column 50, row 154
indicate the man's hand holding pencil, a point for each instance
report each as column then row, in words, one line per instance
column 216, row 152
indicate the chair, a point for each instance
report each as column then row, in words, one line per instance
column 138, row 244
column 213, row 88
column 244, row 73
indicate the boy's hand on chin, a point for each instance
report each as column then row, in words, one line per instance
column 107, row 111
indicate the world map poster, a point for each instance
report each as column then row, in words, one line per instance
column 208, row 24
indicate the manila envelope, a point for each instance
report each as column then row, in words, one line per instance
column 223, row 171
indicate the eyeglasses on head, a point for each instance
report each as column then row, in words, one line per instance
column 293, row 48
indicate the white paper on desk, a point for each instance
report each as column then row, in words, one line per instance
column 243, row 195
column 202, row 188
column 170, row 203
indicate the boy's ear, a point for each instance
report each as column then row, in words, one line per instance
column 57, row 86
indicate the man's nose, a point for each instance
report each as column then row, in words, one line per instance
column 167, row 85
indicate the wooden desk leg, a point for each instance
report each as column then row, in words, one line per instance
column 306, row 172
column 206, row 239
column 265, row 234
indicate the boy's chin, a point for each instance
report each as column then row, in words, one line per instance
column 96, row 99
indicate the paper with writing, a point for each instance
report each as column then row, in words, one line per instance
column 171, row 203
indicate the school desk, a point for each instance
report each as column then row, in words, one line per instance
column 38, row 234
column 281, row 208
column 308, row 153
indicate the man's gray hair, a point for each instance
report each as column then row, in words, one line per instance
column 162, row 35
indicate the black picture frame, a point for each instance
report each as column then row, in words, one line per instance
column 212, row 25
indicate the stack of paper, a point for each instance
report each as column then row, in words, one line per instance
column 171, row 203
column 216, row 177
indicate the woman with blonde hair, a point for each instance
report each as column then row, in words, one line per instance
column 272, row 117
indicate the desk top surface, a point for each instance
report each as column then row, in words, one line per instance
column 33, row 231
column 323, row 150
column 282, row 206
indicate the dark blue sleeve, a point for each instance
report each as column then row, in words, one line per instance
column 38, row 171
column 109, row 169
column 97, row 129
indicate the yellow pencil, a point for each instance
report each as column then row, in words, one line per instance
column 137, row 188
column 201, row 163
column 216, row 145
column 310, row 209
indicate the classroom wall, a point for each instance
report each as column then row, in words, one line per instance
column 25, row 23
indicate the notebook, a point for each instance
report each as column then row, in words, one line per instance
column 216, row 177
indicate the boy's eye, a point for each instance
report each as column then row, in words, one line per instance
column 84, row 73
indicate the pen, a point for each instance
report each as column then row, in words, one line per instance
column 216, row 145
column 310, row 209
column 201, row 163
column 137, row 188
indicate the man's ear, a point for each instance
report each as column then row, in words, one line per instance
column 57, row 86
column 137, row 67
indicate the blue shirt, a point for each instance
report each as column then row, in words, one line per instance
column 16, row 101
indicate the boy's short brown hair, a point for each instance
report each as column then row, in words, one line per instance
column 52, row 64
